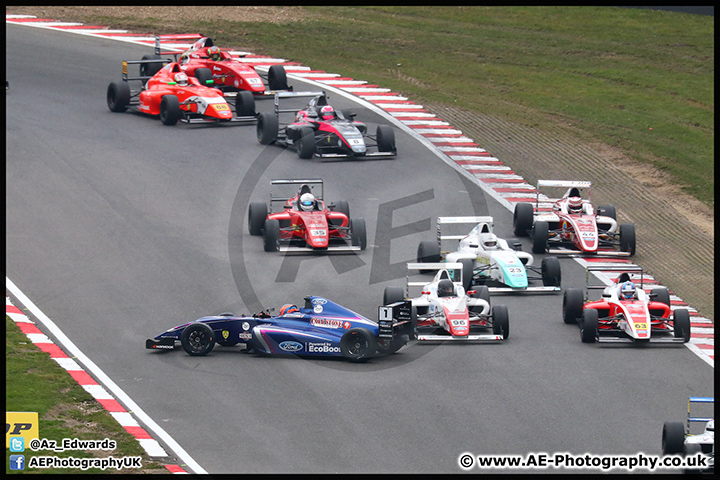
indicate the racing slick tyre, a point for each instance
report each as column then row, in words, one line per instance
column 358, row 233
column 170, row 110
column 661, row 295
column 468, row 265
column 197, row 339
column 385, row 138
column 483, row 293
column 501, row 321
column 540, row 237
column 428, row 252
column 271, row 235
column 245, row 104
column 203, row 75
column 118, row 96
column 357, row 344
column 257, row 213
column 573, row 300
column 343, row 206
column 393, row 294
column 267, row 128
column 306, row 143
column 606, row 211
column 522, row 219
column 627, row 238
column 681, row 324
column 589, row 326
column 150, row 69
column 277, row 78
column 673, row 438
column 551, row 273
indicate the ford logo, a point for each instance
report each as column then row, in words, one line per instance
column 319, row 301
column 290, row 346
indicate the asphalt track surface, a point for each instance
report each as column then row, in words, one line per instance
column 119, row 227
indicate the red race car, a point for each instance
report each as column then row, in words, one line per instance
column 320, row 131
column 573, row 223
column 235, row 77
column 306, row 223
column 173, row 96
column 626, row 312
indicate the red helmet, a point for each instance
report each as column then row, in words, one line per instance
column 288, row 308
column 327, row 112
column 575, row 205
column 214, row 53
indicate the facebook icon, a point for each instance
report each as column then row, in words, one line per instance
column 17, row 462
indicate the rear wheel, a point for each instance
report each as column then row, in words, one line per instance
column 501, row 321
column 606, row 211
column 540, row 237
column 358, row 233
column 661, row 295
column 267, row 128
column 483, row 293
column 357, row 344
column 306, row 143
column 573, row 300
column 681, row 324
column 673, row 438
column 245, row 104
column 522, row 219
column 197, row 339
column 118, row 96
column 150, row 69
column 271, row 235
column 343, row 206
column 257, row 213
column 385, row 138
column 170, row 110
column 551, row 273
column 627, row 238
column 277, row 78
column 589, row 325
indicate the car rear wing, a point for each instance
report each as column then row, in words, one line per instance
column 289, row 189
column 625, row 269
column 289, row 94
column 125, row 63
column 691, row 418
column 561, row 184
column 175, row 43
column 454, row 269
column 395, row 318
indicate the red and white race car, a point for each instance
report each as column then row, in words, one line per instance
column 444, row 311
column 626, row 312
column 318, row 130
column 171, row 95
column 573, row 223
column 305, row 223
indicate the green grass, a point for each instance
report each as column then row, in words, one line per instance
column 36, row 383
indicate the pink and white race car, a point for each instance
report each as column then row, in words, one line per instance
column 445, row 311
column 572, row 223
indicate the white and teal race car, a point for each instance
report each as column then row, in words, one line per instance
column 490, row 259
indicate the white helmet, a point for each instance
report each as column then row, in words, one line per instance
column 489, row 241
column 307, row 201
column 181, row 78
column 710, row 426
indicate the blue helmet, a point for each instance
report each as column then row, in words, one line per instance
column 627, row 290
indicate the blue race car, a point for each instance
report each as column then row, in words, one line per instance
column 320, row 328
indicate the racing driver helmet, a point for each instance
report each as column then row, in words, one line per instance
column 327, row 112
column 307, row 201
column 445, row 288
column 288, row 308
column 214, row 53
column 627, row 290
column 490, row 241
column 181, row 79
column 575, row 205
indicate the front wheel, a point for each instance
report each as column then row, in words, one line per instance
column 385, row 139
column 257, row 213
column 573, row 300
column 197, row 339
column 277, row 78
column 681, row 324
column 271, row 236
column 501, row 321
column 357, row 344
column 267, row 128
column 627, row 238
column 245, row 104
column 540, row 237
column 170, row 110
column 468, row 265
column 306, row 143
column 673, row 438
column 522, row 219
column 358, row 233
column 393, row 294
column 589, row 325
column 551, row 273
column 150, row 69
